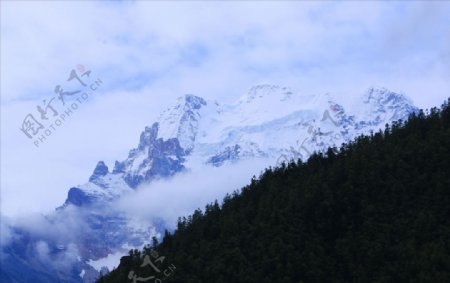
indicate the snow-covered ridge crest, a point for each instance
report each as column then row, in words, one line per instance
column 267, row 121
column 181, row 121
column 264, row 91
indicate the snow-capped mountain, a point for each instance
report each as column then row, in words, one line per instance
column 269, row 122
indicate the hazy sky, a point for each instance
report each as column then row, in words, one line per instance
column 148, row 53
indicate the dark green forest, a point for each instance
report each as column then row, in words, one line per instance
column 375, row 210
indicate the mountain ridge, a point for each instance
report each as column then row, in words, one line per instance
column 269, row 122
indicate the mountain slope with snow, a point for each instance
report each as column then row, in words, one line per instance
column 269, row 122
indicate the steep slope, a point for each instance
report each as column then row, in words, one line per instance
column 376, row 211
column 268, row 122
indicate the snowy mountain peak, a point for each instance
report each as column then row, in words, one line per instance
column 384, row 96
column 181, row 121
column 266, row 91
column 264, row 126
column 154, row 157
column 148, row 136
column 100, row 170
column 193, row 101
column 381, row 104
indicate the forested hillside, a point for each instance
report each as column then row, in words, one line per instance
column 376, row 210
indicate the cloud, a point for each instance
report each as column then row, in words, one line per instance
column 64, row 227
column 179, row 196
column 148, row 53
column 7, row 234
column 37, row 243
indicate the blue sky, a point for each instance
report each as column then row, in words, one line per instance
column 148, row 53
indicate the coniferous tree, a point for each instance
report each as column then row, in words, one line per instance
column 376, row 210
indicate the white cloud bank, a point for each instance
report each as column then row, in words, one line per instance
column 180, row 195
